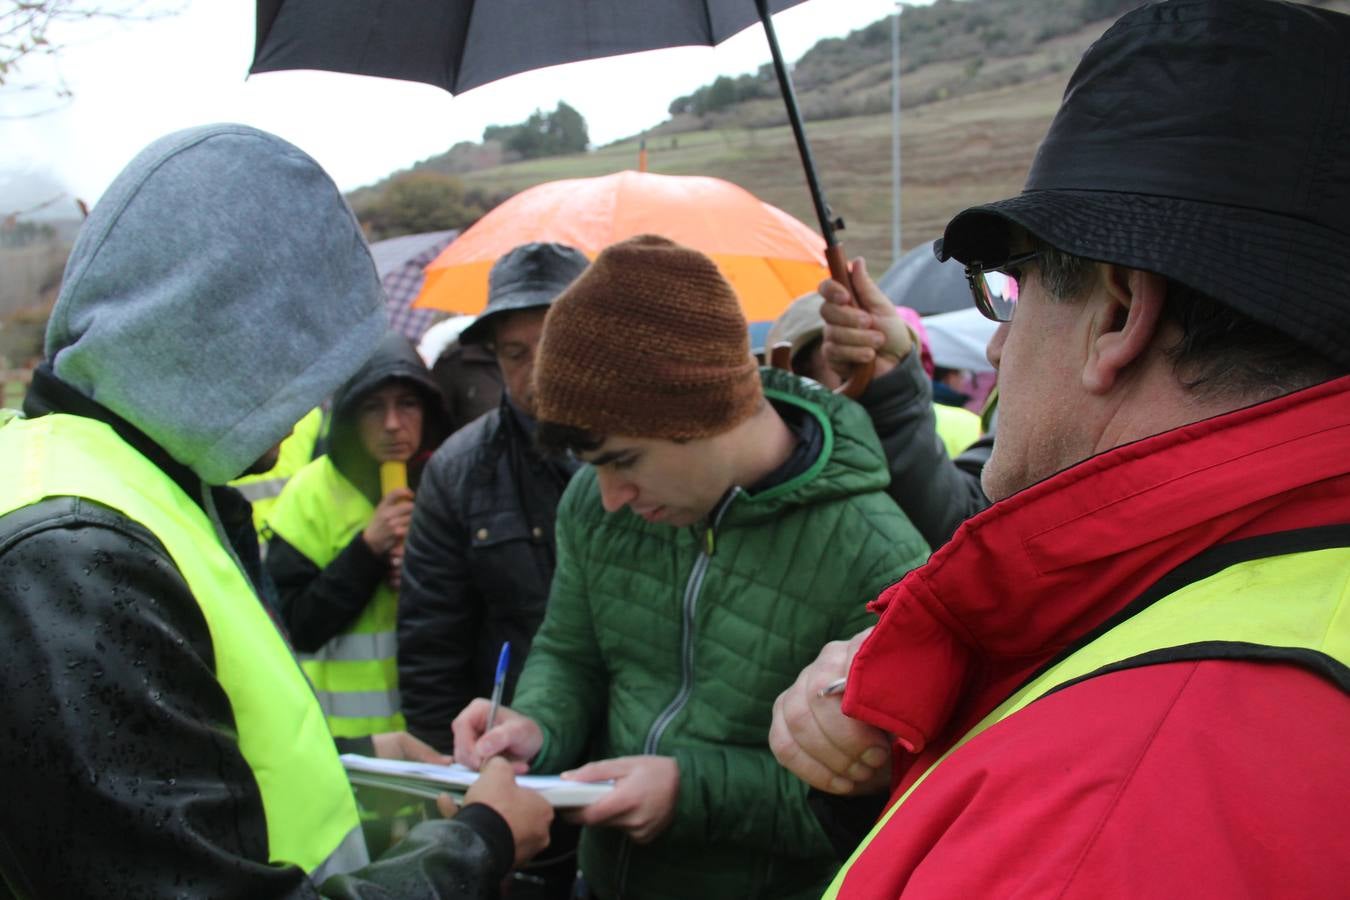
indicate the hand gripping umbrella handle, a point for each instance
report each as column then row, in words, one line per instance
column 861, row 376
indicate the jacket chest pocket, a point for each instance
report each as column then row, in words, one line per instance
column 496, row 530
column 512, row 563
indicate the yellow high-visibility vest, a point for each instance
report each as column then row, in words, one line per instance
column 957, row 428
column 306, row 797
column 297, row 450
column 356, row 673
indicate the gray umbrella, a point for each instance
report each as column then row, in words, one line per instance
column 918, row 280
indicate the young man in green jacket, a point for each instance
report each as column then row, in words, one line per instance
column 728, row 522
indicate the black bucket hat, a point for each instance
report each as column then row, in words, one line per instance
column 530, row 276
column 1207, row 141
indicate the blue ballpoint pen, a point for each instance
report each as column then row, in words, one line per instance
column 498, row 683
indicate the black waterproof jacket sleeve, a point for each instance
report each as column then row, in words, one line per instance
column 120, row 769
column 846, row 820
column 936, row 492
column 319, row 604
column 476, row 569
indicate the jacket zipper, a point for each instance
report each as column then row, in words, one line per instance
column 692, row 587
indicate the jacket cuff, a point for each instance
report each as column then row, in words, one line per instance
column 905, row 384
column 494, row 831
column 362, row 746
column 359, row 564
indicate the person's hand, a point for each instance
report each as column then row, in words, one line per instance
column 856, row 335
column 526, row 812
column 814, row 740
column 513, row 736
column 389, row 525
column 402, row 745
column 643, row 800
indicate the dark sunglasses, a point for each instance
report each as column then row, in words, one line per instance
column 995, row 289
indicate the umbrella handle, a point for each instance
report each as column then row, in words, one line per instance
column 780, row 356
column 861, row 376
column 834, row 254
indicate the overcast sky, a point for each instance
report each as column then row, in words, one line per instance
column 134, row 82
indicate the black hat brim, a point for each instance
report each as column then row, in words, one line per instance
column 1281, row 271
column 479, row 331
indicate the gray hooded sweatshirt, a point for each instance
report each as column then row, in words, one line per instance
column 218, row 292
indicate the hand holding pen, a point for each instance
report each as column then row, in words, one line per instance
column 486, row 728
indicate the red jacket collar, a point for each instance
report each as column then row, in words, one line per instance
column 1024, row 579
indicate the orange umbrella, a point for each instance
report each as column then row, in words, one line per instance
column 769, row 257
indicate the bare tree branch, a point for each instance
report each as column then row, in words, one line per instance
column 37, row 207
column 28, row 28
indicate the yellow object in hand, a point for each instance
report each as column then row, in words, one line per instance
column 393, row 475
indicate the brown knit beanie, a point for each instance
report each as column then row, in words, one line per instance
column 648, row 342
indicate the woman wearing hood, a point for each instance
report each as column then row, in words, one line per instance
column 336, row 539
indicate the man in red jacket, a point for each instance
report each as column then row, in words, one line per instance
column 1129, row 676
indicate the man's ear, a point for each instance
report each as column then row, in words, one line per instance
column 1130, row 310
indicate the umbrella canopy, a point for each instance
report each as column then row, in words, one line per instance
column 768, row 256
column 958, row 339
column 461, row 44
column 400, row 262
column 918, row 280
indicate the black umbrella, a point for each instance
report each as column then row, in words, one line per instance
column 924, row 284
column 461, row 44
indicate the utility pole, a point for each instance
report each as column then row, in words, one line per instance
column 895, row 134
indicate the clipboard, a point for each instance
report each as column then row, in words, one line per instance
column 430, row 780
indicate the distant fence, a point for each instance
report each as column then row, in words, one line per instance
column 13, row 387
column 28, row 272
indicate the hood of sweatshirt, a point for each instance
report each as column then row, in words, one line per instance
column 219, row 291
column 395, row 359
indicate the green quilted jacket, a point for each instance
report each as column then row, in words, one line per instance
column 675, row 642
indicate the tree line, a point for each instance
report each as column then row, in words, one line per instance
column 424, row 199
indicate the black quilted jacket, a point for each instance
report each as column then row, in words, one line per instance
column 476, row 572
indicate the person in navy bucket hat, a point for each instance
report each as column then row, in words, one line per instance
column 529, row 277
column 1129, row 676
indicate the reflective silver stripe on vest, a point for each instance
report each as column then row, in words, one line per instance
column 366, row 647
column 359, row 704
column 254, row 491
column 349, row 856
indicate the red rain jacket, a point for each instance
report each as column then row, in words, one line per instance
column 1211, row 778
